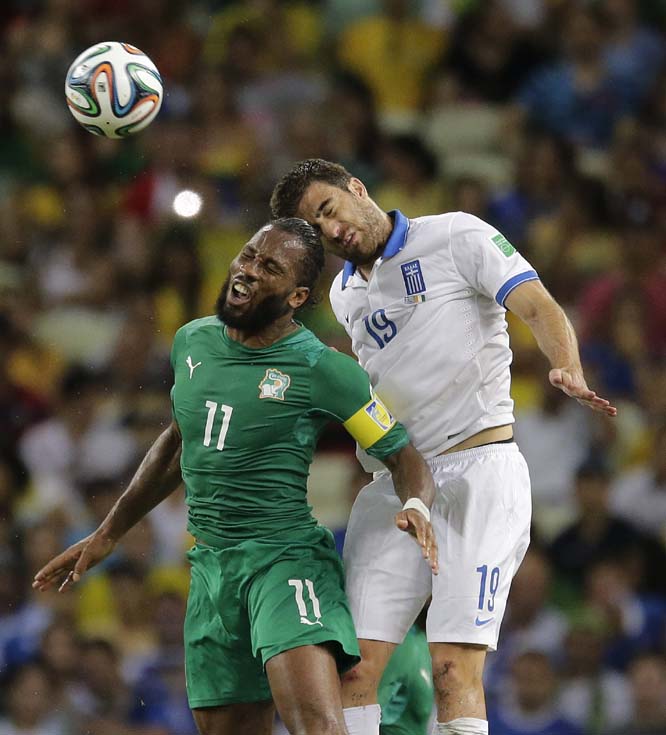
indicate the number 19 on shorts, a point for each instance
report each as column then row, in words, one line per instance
column 488, row 586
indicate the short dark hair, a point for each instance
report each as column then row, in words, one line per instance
column 312, row 263
column 289, row 190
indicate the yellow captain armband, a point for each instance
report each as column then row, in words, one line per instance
column 370, row 423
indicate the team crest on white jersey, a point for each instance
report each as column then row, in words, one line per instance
column 274, row 385
column 414, row 282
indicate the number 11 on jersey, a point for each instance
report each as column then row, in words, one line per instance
column 226, row 418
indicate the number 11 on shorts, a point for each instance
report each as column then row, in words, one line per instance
column 492, row 589
column 297, row 584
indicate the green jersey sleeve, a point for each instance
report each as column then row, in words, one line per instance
column 177, row 346
column 341, row 389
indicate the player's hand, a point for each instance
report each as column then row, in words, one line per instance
column 572, row 382
column 74, row 562
column 414, row 523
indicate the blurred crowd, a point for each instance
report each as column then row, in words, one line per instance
column 547, row 118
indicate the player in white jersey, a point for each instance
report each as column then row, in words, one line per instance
column 424, row 302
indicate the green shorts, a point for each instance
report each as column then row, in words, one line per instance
column 253, row 600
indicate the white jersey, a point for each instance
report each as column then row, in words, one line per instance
column 429, row 326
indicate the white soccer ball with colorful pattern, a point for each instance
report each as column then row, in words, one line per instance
column 113, row 89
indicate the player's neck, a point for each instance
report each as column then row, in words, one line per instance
column 385, row 230
column 272, row 333
column 365, row 271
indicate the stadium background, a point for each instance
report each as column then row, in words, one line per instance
column 545, row 117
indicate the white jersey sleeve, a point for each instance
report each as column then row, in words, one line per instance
column 485, row 259
column 338, row 303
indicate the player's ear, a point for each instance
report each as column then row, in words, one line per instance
column 356, row 186
column 298, row 297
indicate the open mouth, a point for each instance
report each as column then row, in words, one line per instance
column 239, row 293
column 350, row 239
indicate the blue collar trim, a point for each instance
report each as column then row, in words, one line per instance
column 398, row 238
column 396, row 242
column 348, row 271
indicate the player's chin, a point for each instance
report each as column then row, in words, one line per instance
column 240, row 303
column 364, row 254
column 237, row 313
column 351, row 252
column 237, row 316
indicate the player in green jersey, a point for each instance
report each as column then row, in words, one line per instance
column 267, row 618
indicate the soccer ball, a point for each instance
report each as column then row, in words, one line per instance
column 113, row 89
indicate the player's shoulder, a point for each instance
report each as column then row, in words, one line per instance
column 306, row 344
column 431, row 232
column 455, row 230
column 197, row 326
column 326, row 366
column 202, row 323
column 334, row 371
column 431, row 221
column 448, row 222
column 321, row 356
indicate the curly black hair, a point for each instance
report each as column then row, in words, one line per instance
column 312, row 263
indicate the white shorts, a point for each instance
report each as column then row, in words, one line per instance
column 481, row 517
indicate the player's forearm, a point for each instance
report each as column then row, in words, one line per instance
column 555, row 336
column 411, row 475
column 157, row 477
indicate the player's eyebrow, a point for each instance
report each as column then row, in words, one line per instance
column 322, row 206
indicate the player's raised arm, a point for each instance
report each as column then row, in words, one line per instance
column 557, row 340
column 157, row 477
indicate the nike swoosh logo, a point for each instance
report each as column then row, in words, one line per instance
column 479, row 622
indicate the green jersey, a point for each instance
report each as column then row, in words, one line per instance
column 250, row 420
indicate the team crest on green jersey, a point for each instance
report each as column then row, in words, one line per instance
column 274, row 385
column 503, row 244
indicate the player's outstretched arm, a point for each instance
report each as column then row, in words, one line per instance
column 556, row 338
column 413, row 481
column 157, row 477
column 342, row 389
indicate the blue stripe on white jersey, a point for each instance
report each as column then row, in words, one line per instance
column 508, row 287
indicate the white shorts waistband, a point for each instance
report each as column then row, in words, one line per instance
column 442, row 460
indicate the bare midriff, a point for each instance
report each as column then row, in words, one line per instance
column 487, row 436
